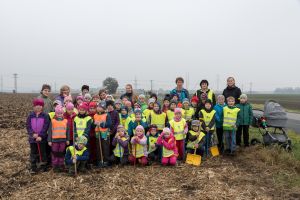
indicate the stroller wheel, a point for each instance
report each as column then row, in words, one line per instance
column 286, row 147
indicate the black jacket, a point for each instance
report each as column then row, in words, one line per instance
column 234, row 92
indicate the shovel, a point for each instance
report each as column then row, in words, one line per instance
column 214, row 150
column 193, row 159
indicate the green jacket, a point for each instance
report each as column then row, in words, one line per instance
column 245, row 115
column 48, row 105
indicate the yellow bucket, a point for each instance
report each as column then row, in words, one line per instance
column 193, row 159
column 214, row 151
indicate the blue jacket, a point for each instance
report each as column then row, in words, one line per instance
column 68, row 157
column 132, row 126
column 183, row 94
column 219, row 115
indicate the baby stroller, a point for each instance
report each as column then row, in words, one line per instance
column 271, row 123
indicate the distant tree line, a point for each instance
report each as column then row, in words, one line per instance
column 287, row 90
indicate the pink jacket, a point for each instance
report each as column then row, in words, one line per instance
column 143, row 142
column 168, row 143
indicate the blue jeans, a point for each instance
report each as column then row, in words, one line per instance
column 208, row 142
column 230, row 140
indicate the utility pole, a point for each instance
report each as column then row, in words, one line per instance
column 151, row 82
column 16, row 86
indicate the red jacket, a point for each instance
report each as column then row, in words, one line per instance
column 70, row 119
column 168, row 143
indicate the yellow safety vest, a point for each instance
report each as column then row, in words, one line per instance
column 191, row 144
column 210, row 95
column 139, row 150
column 188, row 114
column 119, row 150
column 178, row 128
column 152, row 140
column 230, row 117
column 158, row 120
column 146, row 113
column 170, row 115
column 59, row 129
column 81, row 124
column 125, row 122
column 168, row 153
column 208, row 117
column 51, row 115
column 78, row 152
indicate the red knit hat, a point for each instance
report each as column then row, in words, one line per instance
column 83, row 106
column 195, row 99
column 38, row 102
column 93, row 104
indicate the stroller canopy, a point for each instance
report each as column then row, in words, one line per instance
column 275, row 114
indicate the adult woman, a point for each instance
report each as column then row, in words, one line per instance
column 129, row 94
column 204, row 89
column 45, row 93
column 64, row 92
column 232, row 90
column 179, row 90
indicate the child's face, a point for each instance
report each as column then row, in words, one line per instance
column 208, row 106
column 38, row 109
column 195, row 128
column 69, row 111
column 121, row 133
column 82, row 111
column 194, row 104
column 136, row 106
column 103, row 95
column 156, row 107
column 67, row 101
column 221, row 100
column 79, row 101
column 166, row 135
column 138, row 116
column 175, row 98
column 100, row 110
column 151, row 105
column 86, row 99
column 142, row 99
column 167, row 103
column 186, row 105
column 123, row 112
column 60, row 115
column 96, row 99
column 110, row 108
column 173, row 106
column 92, row 110
column 80, row 146
column 178, row 115
column 85, row 91
column 153, row 131
column 124, row 100
column 118, row 106
column 243, row 100
column 231, row 102
column 204, row 86
column 139, row 132
column 46, row 92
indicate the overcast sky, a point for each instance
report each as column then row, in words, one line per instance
column 77, row 42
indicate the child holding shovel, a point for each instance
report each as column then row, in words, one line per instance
column 195, row 137
column 37, row 125
column 120, row 142
column 139, row 147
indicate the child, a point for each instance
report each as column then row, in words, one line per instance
column 166, row 103
column 201, row 105
column 120, row 144
column 78, row 154
column 129, row 107
column 124, row 118
column 92, row 140
column 154, row 149
column 102, row 94
column 169, row 149
column 219, row 121
column 153, row 96
column 70, row 115
column 157, row 117
column 135, row 122
column 87, row 98
column 142, row 102
column 55, row 103
column 179, row 128
column 118, row 105
column 194, row 102
column 96, row 98
column 195, row 139
column 188, row 112
column 175, row 97
column 79, row 100
column 67, row 99
column 45, row 92
column 147, row 112
column 244, row 120
column 207, row 118
column 82, row 122
column 85, row 89
column 109, row 98
column 230, row 114
column 58, row 138
column 139, row 147
column 124, row 99
column 102, row 123
column 37, row 125
column 115, row 121
column 170, row 112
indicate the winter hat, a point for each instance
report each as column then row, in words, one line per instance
column 196, row 123
column 68, row 98
column 56, row 102
column 70, row 106
column 46, row 86
column 137, row 111
column 92, row 104
column 138, row 105
column 203, row 96
column 102, row 104
column 124, row 108
column 38, row 102
column 110, row 103
column 186, row 100
column 140, row 127
column 177, row 110
column 151, row 100
column 59, row 110
column 79, row 98
column 142, row 96
column 244, row 96
column 195, row 99
column 82, row 140
column 208, row 101
column 88, row 96
column 120, row 127
column 166, row 130
column 85, row 87
column 83, row 106
column 118, row 101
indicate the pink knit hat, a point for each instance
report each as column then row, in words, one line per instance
column 59, row 110
column 177, row 110
column 38, row 102
column 140, row 127
column 70, row 106
column 83, row 106
column 166, row 130
column 68, row 98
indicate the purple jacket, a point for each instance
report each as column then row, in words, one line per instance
column 60, row 98
column 124, row 144
column 115, row 121
column 37, row 124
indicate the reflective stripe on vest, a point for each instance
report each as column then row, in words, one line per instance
column 59, row 129
column 139, row 150
column 208, row 117
column 119, row 150
column 188, row 114
column 166, row 152
column 78, row 152
column 81, row 124
column 178, row 128
column 191, row 144
column 152, row 140
column 99, row 119
column 230, row 116
column 158, row 120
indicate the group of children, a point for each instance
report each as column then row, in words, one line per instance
column 98, row 130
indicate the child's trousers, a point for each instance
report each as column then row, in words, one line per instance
column 230, row 140
column 242, row 130
column 143, row 160
column 169, row 160
column 220, row 138
column 105, row 150
column 35, row 156
column 58, row 153
column 181, row 149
